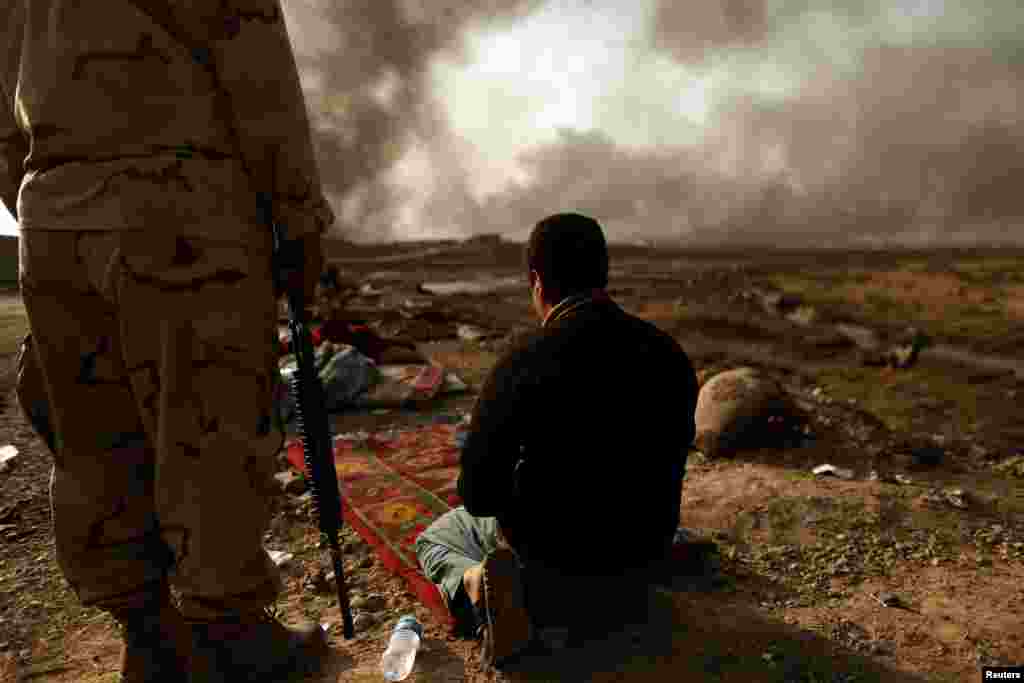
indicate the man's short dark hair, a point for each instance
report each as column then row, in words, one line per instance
column 569, row 252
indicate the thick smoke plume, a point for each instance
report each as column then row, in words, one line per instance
column 365, row 68
column 910, row 139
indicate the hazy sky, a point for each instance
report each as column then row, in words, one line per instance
column 573, row 101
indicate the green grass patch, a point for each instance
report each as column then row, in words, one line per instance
column 13, row 324
column 990, row 271
column 897, row 401
column 952, row 319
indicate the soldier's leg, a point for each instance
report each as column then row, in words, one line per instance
column 199, row 325
column 107, row 539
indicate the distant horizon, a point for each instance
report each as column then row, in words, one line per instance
column 9, row 228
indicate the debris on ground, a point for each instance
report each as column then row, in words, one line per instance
column 887, row 599
column 472, row 333
column 477, row 287
column 291, row 481
column 956, row 498
column 7, row 455
column 832, row 470
column 1013, row 466
column 280, row 557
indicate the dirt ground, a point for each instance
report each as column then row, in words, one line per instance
column 802, row 586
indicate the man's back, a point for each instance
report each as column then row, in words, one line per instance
column 601, row 404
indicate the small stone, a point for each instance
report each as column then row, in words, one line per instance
column 363, row 621
column 890, row 600
column 369, row 603
column 291, row 481
column 279, row 557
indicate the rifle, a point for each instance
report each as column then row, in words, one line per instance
column 311, row 414
column 306, row 386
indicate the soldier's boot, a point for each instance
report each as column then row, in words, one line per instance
column 157, row 641
column 254, row 647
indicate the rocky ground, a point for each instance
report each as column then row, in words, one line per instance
column 909, row 570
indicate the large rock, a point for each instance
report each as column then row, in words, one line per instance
column 740, row 408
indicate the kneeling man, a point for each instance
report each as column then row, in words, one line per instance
column 573, row 465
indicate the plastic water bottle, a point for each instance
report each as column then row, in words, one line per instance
column 396, row 664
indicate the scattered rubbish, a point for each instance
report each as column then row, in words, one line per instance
column 902, row 479
column 453, row 384
column 363, row 338
column 863, row 337
column 475, row 287
column 397, row 662
column 291, row 481
column 956, row 498
column 400, row 385
column 890, row 600
column 347, row 375
column 368, row 289
column 772, row 300
column 363, row 621
column 369, row 603
column 1013, row 466
column 803, row 315
column 280, row 557
column 320, row 581
column 826, row 469
column 471, row 332
column 7, row 455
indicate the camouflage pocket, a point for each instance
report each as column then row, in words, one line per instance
column 31, row 393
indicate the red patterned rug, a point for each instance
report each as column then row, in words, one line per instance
column 393, row 485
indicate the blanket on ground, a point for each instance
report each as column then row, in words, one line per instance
column 395, row 483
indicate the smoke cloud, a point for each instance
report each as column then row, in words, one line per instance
column 729, row 120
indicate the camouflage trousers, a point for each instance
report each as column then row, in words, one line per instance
column 156, row 356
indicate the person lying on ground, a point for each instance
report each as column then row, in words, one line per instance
column 572, row 468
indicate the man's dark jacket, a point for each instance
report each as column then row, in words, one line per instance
column 600, row 407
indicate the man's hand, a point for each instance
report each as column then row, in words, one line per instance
column 301, row 261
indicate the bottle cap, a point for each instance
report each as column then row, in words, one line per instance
column 410, row 622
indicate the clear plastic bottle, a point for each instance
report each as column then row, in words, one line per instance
column 396, row 664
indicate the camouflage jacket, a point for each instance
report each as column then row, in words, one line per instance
column 110, row 122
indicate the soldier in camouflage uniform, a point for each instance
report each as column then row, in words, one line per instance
column 131, row 160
